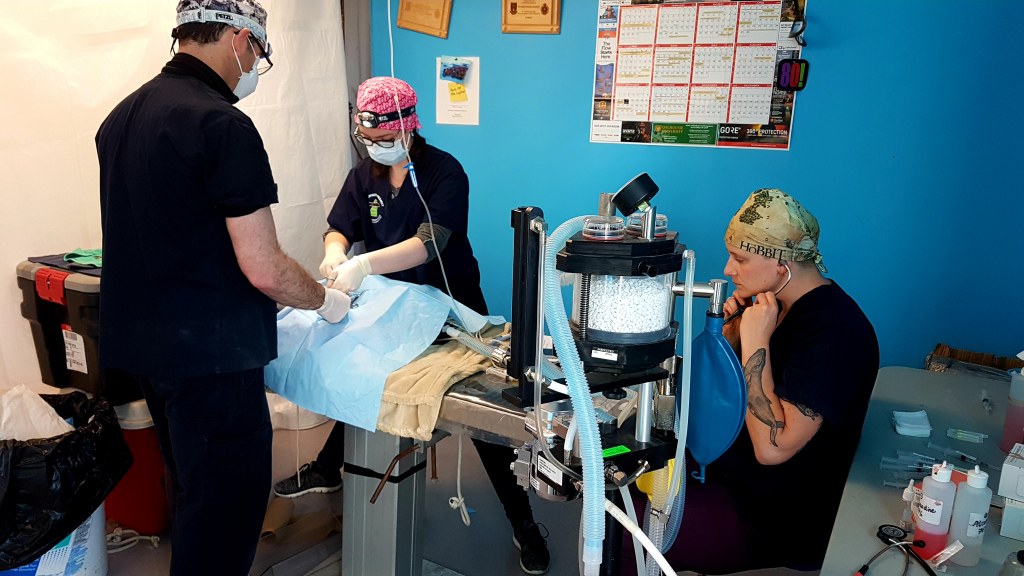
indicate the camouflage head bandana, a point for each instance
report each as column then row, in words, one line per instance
column 773, row 224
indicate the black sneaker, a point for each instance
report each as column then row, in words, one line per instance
column 314, row 479
column 533, row 549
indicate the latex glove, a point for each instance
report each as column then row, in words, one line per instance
column 334, row 256
column 350, row 274
column 335, row 307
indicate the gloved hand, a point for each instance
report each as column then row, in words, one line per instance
column 334, row 256
column 350, row 274
column 335, row 307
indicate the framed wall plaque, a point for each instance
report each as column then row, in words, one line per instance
column 426, row 16
column 531, row 16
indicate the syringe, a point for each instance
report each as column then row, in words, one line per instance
column 986, row 402
column 958, row 455
column 905, row 475
column 907, row 456
column 892, row 464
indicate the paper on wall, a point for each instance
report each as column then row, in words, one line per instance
column 457, row 106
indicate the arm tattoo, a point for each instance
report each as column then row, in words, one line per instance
column 803, row 408
column 759, row 404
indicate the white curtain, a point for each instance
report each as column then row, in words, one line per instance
column 65, row 64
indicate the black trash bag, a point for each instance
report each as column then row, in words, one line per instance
column 49, row 486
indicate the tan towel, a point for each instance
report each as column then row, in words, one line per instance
column 413, row 393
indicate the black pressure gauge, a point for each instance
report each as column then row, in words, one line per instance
column 635, row 195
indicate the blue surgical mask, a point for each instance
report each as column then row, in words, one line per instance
column 248, row 80
column 388, row 156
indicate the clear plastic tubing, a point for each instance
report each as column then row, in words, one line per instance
column 485, row 350
column 552, row 371
column 570, row 435
column 676, row 503
column 470, row 342
column 655, row 527
column 582, row 403
column 676, row 520
column 638, row 550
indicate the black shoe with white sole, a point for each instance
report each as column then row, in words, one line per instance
column 533, row 549
column 310, row 479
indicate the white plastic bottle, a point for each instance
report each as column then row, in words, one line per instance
column 934, row 510
column 970, row 515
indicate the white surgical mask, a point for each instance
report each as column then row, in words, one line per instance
column 248, row 80
column 388, row 156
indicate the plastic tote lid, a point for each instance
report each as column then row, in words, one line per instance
column 134, row 415
column 977, row 479
column 942, row 473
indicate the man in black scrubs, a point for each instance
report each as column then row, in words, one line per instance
column 380, row 205
column 810, row 358
column 191, row 273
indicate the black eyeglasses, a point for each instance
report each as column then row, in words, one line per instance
column 366, row 141
column 263, row 56
column 264, row 66
column 369, row 119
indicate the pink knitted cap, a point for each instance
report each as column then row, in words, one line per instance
column 377, row 95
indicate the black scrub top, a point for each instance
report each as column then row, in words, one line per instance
column 177, row 159
column 366, row 211
column 824, row 356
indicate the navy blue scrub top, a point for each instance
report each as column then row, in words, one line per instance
column 365, row 211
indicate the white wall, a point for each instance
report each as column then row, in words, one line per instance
column 65, row 64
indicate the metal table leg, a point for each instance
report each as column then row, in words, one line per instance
column 385, row 538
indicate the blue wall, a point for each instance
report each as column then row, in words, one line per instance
column 906, row 147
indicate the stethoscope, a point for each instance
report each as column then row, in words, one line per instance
column 894, row 537
column 739, row 312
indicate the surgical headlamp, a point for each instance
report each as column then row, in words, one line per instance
column 369, row 119
column 237, row 21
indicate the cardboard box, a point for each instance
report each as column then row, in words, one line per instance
column 1003, row 363
column 954, row 361
column 1013, row 519
column 1011, row 480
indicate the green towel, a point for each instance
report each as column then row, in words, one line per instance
column 85, row 257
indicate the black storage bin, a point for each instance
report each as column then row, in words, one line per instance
column 66, row 334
